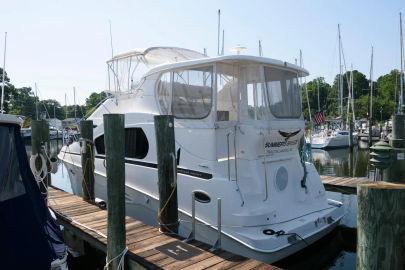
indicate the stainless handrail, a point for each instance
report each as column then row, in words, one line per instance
column 234, row 150
column 265, row 169
column 229, row 165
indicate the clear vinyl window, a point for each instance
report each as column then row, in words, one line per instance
column 283, row 93
column 186, row 93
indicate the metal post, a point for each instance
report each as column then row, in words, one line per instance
column 192, row 233
column 219, row 226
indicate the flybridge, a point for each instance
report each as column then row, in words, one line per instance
column 127, row 69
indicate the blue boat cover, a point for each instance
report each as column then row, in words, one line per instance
column 29, row 236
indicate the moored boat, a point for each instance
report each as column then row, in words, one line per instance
column 238, row 127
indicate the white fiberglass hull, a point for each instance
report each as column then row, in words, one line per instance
column 311, row 227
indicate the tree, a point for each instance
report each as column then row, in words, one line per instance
column 312, row 88
column 49, row 106
column 93, row 100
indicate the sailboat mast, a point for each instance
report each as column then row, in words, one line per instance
column 4, row 74
column 352, row 93
column 401, row 41
column 36, row 101
column 306, row 88
column 74, row 100
column 319, row 104
column 340, row 75
column 66, row 112
column 370, row 114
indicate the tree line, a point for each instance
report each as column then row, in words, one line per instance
column 22, row 101
column 385, row 95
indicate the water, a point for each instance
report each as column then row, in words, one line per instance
column 342, row 162
column 334, row 252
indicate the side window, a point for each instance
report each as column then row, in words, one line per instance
column 192, row 92
column 163, row 92
column 99, row 144
column 136, row 143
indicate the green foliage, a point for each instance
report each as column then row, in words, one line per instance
column 385, row 96
column 93, row 100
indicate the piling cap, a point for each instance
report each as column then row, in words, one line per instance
column 381, row 156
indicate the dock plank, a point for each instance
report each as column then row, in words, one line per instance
column 346, row 185
column 89, row 222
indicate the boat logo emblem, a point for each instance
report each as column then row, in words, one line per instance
column 288, row 135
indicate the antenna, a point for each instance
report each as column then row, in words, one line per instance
column 111, row 40
column 223, row 42
column 260, row 48
column 219, row 27
column 4, row 74
column 205, row 51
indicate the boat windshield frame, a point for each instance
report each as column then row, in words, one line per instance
column 212, row 115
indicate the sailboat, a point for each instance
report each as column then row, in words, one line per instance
column 238, row 124
column 332, row 135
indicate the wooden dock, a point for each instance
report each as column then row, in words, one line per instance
column 346, row 185
column 147, row 247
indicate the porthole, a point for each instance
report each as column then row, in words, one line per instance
column 202, row 197
column 281, row 178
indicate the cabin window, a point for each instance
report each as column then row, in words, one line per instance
column 136, row 143
column 283, row 93
column 164, row 92
column 186, row 93
column 227, row 92
column 192, row 92
column 99, row 144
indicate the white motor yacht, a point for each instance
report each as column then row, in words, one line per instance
column 238, row 126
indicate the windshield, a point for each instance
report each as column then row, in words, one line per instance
column 283, row 91
column 243, row 93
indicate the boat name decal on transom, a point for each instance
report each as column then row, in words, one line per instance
column 280, row 144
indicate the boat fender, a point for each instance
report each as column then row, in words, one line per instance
column 54, row 164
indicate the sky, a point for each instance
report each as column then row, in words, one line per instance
column 64, row 44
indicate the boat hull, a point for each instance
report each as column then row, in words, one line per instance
column 143, row 206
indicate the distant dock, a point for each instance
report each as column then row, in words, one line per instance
column 148, row 248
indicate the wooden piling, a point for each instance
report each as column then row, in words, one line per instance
column 381, row 226
column 36, row 136
column 40, row 145
column 167, row 170
column 87, row 152
column 114, row 140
